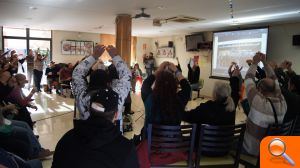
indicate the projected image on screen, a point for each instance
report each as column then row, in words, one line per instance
column 236, row 46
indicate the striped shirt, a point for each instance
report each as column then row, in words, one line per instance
column 261, row 113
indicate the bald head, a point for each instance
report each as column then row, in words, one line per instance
column 266, row 86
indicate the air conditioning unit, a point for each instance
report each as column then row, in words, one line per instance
column 184, row 19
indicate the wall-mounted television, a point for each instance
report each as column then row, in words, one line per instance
column 192, row 41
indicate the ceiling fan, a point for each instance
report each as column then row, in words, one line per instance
column 142, row 14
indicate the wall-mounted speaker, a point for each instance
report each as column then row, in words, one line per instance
column 296, row 40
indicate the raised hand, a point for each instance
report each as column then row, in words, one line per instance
column 249, row 61
column 263, row 57
column 284, row 64
column 98, row 51
column 112, row 51
column 257, row 58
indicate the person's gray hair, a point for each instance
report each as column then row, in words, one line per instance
column 222, row 92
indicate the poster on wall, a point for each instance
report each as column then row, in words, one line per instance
column 89, row 47
column 73, row 47
column 78, row 48
column 165, row 52
column 82, row 48
column 66, row 47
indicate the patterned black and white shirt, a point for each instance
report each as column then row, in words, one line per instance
column 80, row 85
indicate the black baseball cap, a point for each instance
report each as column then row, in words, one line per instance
column 104, row 100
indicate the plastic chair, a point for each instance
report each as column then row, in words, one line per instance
column 215, row 144
column 201, row 83
column 172, row 139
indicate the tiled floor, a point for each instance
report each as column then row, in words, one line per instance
column 55, row 117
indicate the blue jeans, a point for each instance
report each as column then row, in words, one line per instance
column 35, row 163
column 23, row 131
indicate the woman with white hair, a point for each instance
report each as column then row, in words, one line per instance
column 219, row 111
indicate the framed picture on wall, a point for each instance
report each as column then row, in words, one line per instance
column 73, row 47
column 78, row 48
column 89, row 47
column 66, row 47
column 165, row 52
column 82, row 48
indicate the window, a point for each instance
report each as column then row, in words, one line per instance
column 22, row 40
column 40, row 33
column 16, row 44
column 17, row 32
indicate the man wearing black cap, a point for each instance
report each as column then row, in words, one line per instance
column 96, row 142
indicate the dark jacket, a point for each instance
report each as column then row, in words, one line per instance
column 54, row 71
column 182, row 98
column 292, row 98
column 95, row 142
column 193, row 75
column 293, row 104
column 210, row 112
column 11, row 161
column 213, row 112
column 4, row 91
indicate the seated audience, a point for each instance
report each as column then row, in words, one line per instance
column 17, row 97
column 52, row 77
column 261, row 98
column 219, row 111
column 9, row 160
column 65, row 74
column 96, row 141
column 120, row 80
column 17, row 137
column 163, row 104
column 290, row 88
column 65, row 78
column 7, row 83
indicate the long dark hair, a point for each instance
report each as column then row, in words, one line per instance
column 165, row 100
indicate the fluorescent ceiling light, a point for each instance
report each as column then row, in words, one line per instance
column 257, row 18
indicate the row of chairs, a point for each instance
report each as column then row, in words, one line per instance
column 224, row 140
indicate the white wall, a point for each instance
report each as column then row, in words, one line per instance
column 280, row 44
column 0, row 38
column 140, row 51
column 59, row 36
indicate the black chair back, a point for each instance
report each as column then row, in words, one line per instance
column 296, row 127
column 219, row 140
column 168, row 139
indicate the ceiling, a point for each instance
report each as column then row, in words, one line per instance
column 89, row 15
